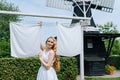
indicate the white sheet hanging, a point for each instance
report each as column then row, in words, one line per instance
column 69, row 40
column 25, row 40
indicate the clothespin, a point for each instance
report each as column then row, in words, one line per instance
column 40, row 23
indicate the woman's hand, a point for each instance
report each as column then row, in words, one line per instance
column 42, row 47
column 40, row 55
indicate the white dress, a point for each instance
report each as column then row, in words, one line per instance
column 43, row 73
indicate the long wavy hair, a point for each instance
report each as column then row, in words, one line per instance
column 56, row 64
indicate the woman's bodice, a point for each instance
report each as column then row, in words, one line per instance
column 45, row 55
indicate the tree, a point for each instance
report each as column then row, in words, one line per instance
column 111, row 28
column 116, row 48
column 4, row 26
column 108, row 28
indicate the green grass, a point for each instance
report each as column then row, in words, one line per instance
column 118, row 78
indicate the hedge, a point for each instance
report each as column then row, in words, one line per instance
column 26, row 69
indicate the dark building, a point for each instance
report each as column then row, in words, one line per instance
column 95, row 53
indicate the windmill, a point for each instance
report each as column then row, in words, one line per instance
column 82, row 8
column 95, row 53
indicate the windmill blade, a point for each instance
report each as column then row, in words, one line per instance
column 61, row 4
column 103, row 5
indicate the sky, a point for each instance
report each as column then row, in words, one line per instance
column 39, row 7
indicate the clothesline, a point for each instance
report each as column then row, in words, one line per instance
column 42, row 15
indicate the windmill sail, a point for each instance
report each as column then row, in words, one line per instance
column 103, row 5
column 61, row 4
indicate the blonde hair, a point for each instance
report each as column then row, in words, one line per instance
column 56, row 64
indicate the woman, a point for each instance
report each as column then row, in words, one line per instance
column 49, row 61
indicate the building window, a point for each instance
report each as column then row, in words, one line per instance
column 89, row 43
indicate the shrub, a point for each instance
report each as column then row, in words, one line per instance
column 109, row 68
column 27, row 68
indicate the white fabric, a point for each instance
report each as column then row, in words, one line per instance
column 25, row 40
column 69, row 40
column 43, row 73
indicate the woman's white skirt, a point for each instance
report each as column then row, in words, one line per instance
column 44, row 74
